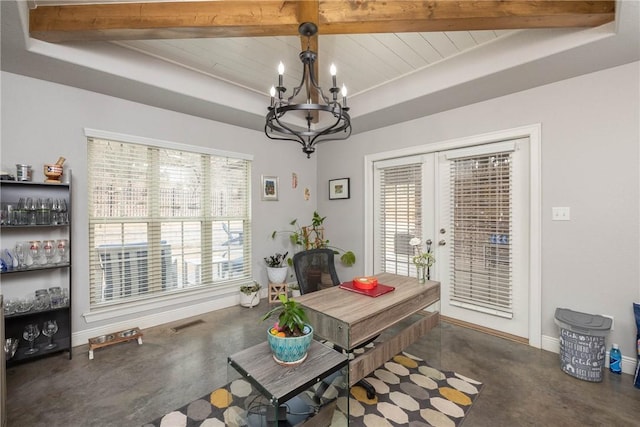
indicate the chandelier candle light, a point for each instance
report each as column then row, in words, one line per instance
column 339, row 126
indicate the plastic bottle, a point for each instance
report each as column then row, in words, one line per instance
column 615, row 359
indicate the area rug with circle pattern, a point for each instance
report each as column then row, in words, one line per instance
column 408, row 392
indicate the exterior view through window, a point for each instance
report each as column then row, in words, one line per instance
column 165, row 221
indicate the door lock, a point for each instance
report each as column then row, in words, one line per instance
column 442, row 242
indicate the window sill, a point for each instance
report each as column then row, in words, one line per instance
column 169, row 300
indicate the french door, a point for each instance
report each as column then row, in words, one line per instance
column 472, row 205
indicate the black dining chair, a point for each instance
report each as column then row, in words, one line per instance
column 315, row 270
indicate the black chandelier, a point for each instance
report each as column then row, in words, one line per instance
column 340, row 124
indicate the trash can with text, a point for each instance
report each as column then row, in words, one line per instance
column 582, row 343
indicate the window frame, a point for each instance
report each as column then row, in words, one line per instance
column 185, row 294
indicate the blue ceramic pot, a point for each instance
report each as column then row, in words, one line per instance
column 290, row 350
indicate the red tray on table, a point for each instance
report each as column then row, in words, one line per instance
column 375, row 292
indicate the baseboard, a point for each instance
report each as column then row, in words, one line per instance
column 488, row 331
column 156, row 319
column 553, row 344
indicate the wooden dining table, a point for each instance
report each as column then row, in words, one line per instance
column 348, row 319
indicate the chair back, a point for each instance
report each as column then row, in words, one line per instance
column 315, row 270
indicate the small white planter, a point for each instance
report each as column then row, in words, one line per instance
column 249, row 300
column 277, row 274
column 295, row 293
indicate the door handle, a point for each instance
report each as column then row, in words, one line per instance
column 442, row 242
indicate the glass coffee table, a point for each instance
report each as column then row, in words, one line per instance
column 305, row 394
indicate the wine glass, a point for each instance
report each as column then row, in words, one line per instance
column 49, row 329
column 55, row 212
column 31, row 332
column 63, row 215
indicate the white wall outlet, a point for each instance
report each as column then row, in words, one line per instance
column 612, row 321
column 561, row 213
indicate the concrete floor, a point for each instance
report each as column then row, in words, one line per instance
column 129, row 385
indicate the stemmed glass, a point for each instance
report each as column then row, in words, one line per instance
column 62, row 250
column 64, row 215
column 49, row 250
column 34, row 248
column 55, row 212
column 49, row 329
column 31, row 332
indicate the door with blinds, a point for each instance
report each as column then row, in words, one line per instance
column 472, row 204
column 483, row 242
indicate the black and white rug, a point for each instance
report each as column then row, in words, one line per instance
column 408, row 392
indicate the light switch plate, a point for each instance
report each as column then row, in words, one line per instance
column 561, row 214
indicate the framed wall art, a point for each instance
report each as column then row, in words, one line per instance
column 269, row 187
column 339, row 188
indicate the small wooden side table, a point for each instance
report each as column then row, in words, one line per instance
column 277, row 383
column 275, row 289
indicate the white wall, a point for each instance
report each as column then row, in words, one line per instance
column 590, row 159
column 42, row 121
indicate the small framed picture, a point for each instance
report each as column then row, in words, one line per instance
column 269, row 187
column 339, row 188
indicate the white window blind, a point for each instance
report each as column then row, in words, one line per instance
column 398, row 214
column 164, row 220
column 481, row 204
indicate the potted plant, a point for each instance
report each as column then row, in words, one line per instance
column 312, row 237
column 277, row 268
column 290, row 337
column 295, row 290
column 249, row 294
column 422, row 260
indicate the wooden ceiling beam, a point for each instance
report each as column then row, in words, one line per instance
column 235, row 18
column 429, row 16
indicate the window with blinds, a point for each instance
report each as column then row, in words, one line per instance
column 481, row 204
column 399, row 215
column 164, row 221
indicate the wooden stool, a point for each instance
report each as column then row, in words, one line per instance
column 276, row 289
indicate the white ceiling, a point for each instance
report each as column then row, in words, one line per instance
column 391, row 77
column 252, row 62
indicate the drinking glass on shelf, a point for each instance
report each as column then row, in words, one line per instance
column 63, row 246
column 64, row 214
column 49, row 250
column 43, row 213
column 31, row 332
column 21, row 254
column 20, row 213
column 55, row 211
column 49, row 329
column 31, row 208
column 34, row 250
column 56, row 297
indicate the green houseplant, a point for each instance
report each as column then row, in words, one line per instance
column 249, row 294
column 290, row 337
column 277, row 267
column 312, row 237
column 276, row 260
